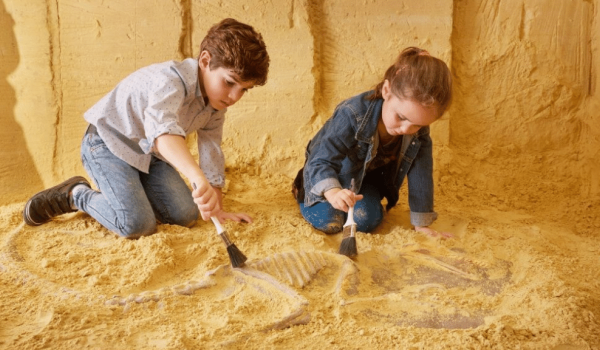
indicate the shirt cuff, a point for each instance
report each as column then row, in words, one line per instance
column 216, row 181
column 422, row 219
column 325, row 185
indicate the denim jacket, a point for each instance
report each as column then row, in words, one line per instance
column 345, row 146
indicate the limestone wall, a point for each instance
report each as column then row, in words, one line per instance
column 525, row 112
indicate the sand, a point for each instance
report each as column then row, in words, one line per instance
column 516, row 172
column 508, row 280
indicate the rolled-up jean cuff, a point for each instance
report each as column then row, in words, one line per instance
column 422, row 219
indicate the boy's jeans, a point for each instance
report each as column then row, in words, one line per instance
column 368, row 213
column 129, row 201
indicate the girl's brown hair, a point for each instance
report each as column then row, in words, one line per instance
column 237, row 46
column 418, row 76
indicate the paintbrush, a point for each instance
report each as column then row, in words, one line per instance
column 236, row 257
column 348, row 245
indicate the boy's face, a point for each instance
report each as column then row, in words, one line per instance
column 404, row 116
column 221, row 86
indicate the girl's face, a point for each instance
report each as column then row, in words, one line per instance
column 222, row 87
column 403, row 116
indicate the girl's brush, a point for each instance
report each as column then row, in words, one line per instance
column 348, row 246
column 236, row 257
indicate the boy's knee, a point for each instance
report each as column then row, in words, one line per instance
column 137, row 227
column 186, row 218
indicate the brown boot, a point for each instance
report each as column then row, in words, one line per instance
column 52, row 202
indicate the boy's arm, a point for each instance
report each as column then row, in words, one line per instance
column 174, row 149
column 210, row 154
column 223, row 215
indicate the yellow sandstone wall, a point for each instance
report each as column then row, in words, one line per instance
column 525, row 127
column 525, row 114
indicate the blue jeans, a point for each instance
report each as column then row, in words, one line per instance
column 368, row 213
column 130, row 202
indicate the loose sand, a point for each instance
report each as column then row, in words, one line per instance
column 517, row 176
column 507, row 280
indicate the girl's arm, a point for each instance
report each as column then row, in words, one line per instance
column 420, row 189
column 342, row 199
column 420, row 184
column 327, row 150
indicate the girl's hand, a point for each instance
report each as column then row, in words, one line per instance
column 237, row 217
column 206, row 198
column 342, row 199
column 433, row 233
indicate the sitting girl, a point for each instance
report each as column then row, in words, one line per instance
column 378, row 138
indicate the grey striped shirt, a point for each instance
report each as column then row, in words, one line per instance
column 163, row 98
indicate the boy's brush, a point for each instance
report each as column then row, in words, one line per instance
column 348, row 245
column 236, row 257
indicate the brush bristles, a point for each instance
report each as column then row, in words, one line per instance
column 236, row 256
column 348, row 247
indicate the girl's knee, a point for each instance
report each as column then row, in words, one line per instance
column 332, row 222
column 323, row 217
column 368, row 220
column 329, row 228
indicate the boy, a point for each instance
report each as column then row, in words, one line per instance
column 134, row 147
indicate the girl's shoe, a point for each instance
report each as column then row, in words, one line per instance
column 52, row 202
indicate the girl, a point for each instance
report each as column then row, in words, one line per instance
column 378, row 138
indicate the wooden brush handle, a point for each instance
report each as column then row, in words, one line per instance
column 215, row 221
column 350, row 220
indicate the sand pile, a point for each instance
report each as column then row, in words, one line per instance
column 507, row 280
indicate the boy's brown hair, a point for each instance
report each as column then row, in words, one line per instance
column 237, row 46
column 418, row 76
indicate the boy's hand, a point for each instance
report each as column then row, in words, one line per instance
column 237, row 217
column 342, row 199
column 433, row 233
column 206, row 198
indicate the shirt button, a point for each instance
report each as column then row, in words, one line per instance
column 413, row 142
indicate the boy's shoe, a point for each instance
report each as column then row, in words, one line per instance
column 49, row 203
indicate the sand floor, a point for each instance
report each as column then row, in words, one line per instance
column 508, row 280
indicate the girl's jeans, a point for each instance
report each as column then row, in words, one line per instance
column 129, row 201
column 368, row 213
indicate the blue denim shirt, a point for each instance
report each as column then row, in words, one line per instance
column 348, row 142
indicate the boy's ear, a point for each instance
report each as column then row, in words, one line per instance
column 204, row 60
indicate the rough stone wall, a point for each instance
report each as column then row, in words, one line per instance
column 526, row 76
column 525, row 112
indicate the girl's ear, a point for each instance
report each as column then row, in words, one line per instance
column 386, row 90
column 204, row 60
